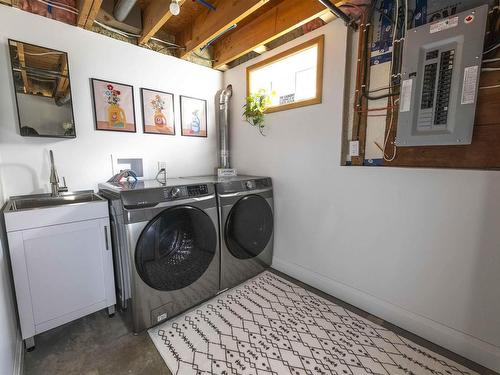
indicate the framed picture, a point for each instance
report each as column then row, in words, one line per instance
column 157, row 112
column 193, row 117
column 113, row 106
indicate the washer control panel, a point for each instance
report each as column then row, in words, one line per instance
column 197, row 190
column 151, row 197
column 189, row 191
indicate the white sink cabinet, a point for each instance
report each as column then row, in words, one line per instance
column 62, row 264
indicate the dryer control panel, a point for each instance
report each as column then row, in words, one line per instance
column 245, row 185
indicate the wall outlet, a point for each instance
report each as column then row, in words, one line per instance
column 354, row 148
column 162, row 165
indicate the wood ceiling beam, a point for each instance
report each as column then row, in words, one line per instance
column 88, row 13
column 22, row 63
column 63, row 83
column 279, row 20
column 156, row 14
column 210, row 24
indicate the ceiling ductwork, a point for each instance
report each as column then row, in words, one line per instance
column 123, row 9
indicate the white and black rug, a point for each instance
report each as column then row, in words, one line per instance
column 269, row 325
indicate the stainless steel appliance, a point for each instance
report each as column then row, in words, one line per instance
column 165, row 239
column 246, row 211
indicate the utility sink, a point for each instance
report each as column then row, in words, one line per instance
column 37, row 201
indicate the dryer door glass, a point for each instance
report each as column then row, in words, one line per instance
column 176, row 248
column 249, row 227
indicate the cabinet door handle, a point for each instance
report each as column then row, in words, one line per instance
column 106, row 236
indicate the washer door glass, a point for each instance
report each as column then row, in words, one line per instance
column 249, row 227
column 176, row 248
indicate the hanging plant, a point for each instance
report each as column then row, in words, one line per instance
column 255, row 107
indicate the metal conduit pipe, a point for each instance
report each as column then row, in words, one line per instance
column 338, row 12
column 123, row 8
column 224, row 97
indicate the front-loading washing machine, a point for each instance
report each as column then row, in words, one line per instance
column 246, row 211
column 166, row 246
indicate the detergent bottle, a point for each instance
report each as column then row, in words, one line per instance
column 116, row 116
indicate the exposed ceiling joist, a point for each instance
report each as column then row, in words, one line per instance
column 88, row 13
column 210, row 24
column 284, row 17
column 155, row 15
column 22, row 63
column 63, row 83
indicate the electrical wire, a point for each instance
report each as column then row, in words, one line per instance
column 375, row 109
column 165, row 42
column 163, row 180
column 383, row 88
column 392, row 101
column 384, row 15
column 490, row 69
column 58, row 7
column 116, row 31
column 57, row 4
column 485, row 52
column 62, row 4
column 406, row 19
column 491, row 60
column 385, row 96
column 489, row 87
column 384, row 115
column 203, row 58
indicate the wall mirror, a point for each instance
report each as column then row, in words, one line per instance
column 43, row 91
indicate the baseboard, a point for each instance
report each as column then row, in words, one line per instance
column 465, row 345
column 19, row 359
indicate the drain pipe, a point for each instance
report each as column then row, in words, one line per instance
column 123, row 8
column 224, row 97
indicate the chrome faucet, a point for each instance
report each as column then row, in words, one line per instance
column 54, row 178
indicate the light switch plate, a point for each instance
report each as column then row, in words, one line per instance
column 354, row 148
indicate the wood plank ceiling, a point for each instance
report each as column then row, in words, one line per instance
column 251, row 24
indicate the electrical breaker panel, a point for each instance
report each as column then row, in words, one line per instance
column 440, row 78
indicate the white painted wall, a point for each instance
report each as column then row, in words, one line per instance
column 418, row 247
column 85, row 161
column 10, row 340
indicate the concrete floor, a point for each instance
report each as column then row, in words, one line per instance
column 99, row 345
column 94, row 345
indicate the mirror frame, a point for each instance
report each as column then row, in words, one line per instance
column 15, row 92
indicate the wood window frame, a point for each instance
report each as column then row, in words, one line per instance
column 320, row 42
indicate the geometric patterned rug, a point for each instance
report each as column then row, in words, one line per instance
column 269, row 325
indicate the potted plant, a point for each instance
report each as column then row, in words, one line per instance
column 255, row 107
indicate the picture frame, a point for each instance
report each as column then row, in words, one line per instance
column 158, row 112
column 193, row 117
column 114, row 106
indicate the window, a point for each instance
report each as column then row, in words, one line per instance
column 293, row 78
